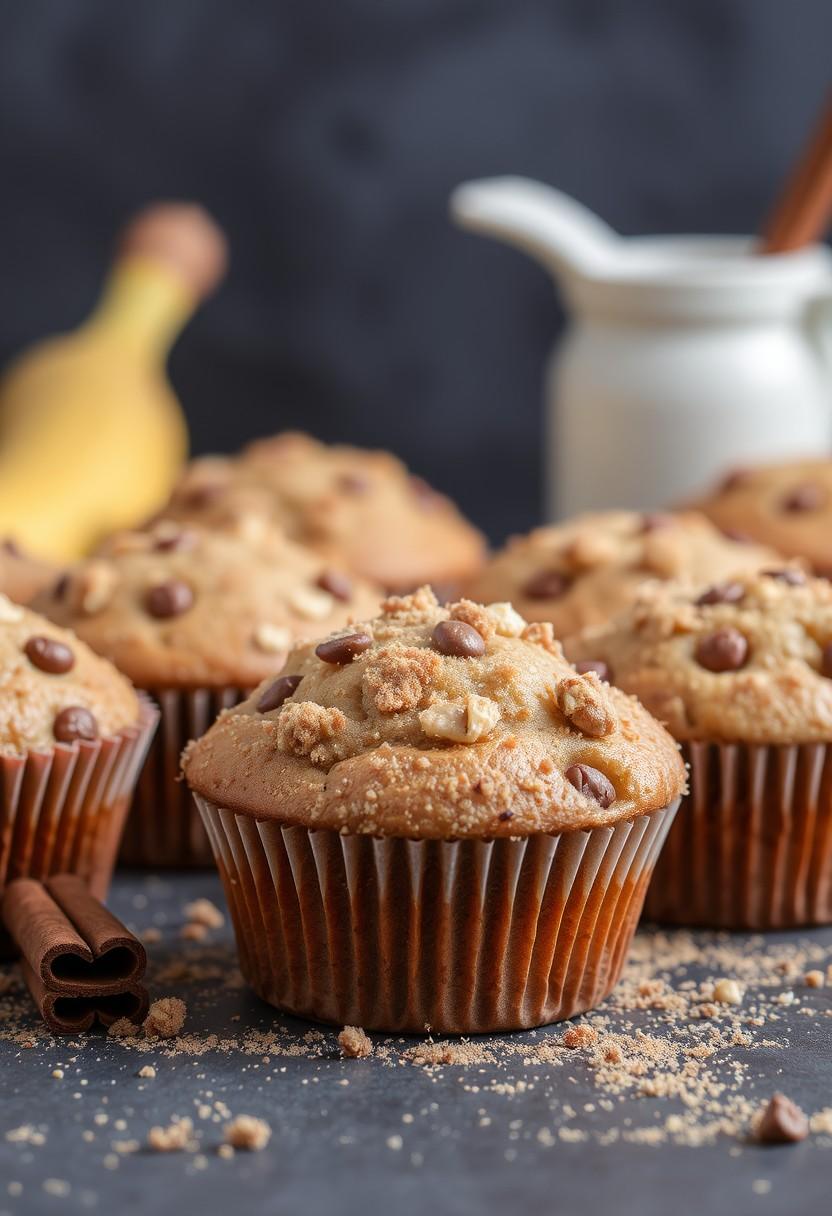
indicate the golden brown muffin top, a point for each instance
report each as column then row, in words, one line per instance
column 588, row 569
column 360, row 507
column 22, row 576
column 746, row 660
column 176, row 606
column 53, row 689
column 437, row 723
column 786, row 505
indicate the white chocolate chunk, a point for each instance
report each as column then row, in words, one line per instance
column 310, row 603
column 273, row 639
column 9, row 613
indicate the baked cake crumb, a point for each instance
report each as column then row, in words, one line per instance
column 165, row 1018
column 175, row 1138
column 354, row 1042
column 247, row 1132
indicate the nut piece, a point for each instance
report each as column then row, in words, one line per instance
column 273, row 639
column 311, row 603
column 782, row 1122
column 466, row 723
column 583, row 703
column 10, row 613
column 93, row 587
column 728, row 992
column 507, row 621
column 591, row 783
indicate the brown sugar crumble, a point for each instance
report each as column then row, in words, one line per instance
column 247, row 1132
column 165, row 1018
column 355, row 1043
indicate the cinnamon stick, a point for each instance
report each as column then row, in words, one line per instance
column 804, row 209
column 79, row 961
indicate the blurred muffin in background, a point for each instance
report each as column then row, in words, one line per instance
column 786, row 505
column 741, row 673
column 196, row 619
column 360, row 508
column 22, row 576
column 588, row 569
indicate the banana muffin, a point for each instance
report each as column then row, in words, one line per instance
column 73, row 734
column 787, row 505
column 361, row 508
column 196, row 619
column 588, row 569
column 741, row 674
column 431, row 819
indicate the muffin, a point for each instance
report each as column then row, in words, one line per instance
column 73, row 734
column 22, row 576
column 587, row 570
column 197, row 620
column 360, row 508
column 786, row 505
column 741, row 674
column 431, row 819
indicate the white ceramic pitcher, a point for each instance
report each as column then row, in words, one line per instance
column 685, row 356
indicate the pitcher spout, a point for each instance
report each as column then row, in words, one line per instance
column 559, row 232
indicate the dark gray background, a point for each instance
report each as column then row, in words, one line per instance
column 326, row 136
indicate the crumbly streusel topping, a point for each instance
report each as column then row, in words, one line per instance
column 419, row 722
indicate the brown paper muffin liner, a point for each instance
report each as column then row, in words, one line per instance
column 462, row 936
column 163, row 829
column 751, row 847
column 63, row 811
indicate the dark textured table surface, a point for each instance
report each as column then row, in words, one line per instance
column 512, row 1131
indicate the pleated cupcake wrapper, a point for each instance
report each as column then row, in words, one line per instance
column 164, row 830
column 458, row 936
column 63, row 811
column 751, row 847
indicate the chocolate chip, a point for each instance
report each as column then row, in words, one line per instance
column 353, row 483
column 737, row 536
column 722, row 593
column 724, row 650
column 458, row 640
column 546, row 585
column 175, row 542
column 203, row 496
column 277, row 693
column 782, row 1122
column 807, row 497
column 601, row 669
column 11, row 547
column 61, row 587
column 794, row 578
column 343, row 649
column 73, row 723
column 49, row 655
column 590, row 782
column 734, row 479
column 169, row 599
column 424, row 492
column 336, row 583
column 504, row 816
column 655, row 521
column 826, row 661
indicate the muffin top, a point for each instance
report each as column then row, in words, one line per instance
column 360, row 507
column 176, row 606
column 746, row 660
column 434, row 722
column 53, row 689
column 786, row 505
column 582, row 572
column 22, row 576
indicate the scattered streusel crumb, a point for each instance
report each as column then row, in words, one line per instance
column 175, row 1138
column 354, row 1042
column 165, row 1018
column 247, row 1132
